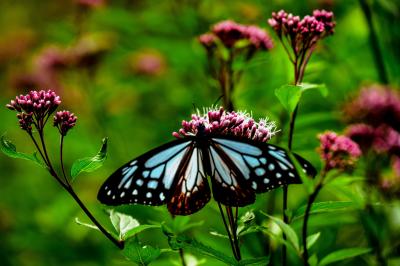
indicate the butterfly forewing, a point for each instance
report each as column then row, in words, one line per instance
column 192, row 191
column 148, row 179
column 263, row 166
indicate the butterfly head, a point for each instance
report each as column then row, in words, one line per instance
column 201, row 130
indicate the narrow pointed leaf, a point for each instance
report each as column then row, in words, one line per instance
column 312, row 239
column 86, row 224
column 90, row 164
column 9, row 149
column 326, row 206
column 343, row 254
column 287, row 229
column 262, row 261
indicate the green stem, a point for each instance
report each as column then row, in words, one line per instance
column 229, row 232
column 373, row 38
column 311, row 200
column 70, row 190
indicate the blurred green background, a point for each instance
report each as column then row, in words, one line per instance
column 136, row 72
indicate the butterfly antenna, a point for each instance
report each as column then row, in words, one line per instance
column 219, row 98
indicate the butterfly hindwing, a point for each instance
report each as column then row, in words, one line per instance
column 192, row 191
column 228, row 183
column 263, row 166
column 148, row 179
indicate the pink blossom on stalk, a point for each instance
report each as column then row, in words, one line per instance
column 229, row 32
column 64, row 121
column 387, row 140
column 375, row 105
column 208, row 40
column 337, row 151
column 326, row 17
column 34, row 107
column 364, row 135
column 258, row 37
column 216, row 121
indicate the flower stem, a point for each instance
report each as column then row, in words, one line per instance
column 61, row 159
column 231, row 230
column 311, row 200
column 118, row 243
column 67, row 186
column 377, row 53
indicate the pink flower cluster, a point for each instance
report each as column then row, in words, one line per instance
column 375, row 105
column 219, row 122
column 64, row 121
column 314, row 27
column 230, row 32
column 35, row 109
column 338, row 151
column 36, row 105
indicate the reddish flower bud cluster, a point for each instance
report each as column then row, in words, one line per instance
column 337, row 151
column 308, row 29
column 375, row 105
column 219, row 122
column 64, row 121
column 35, row 109
column 229, row 33
column 301, row 35
column 34, row 106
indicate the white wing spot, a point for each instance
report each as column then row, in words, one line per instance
column 133, row 163
column 271, row 167
column 122, row 194
column 278, row 175
column 109, row 193
column 152, row 184
column 106, row 187
column 146, row 173
column 272, row 148
column 162, row 197
column 128, row 184
column 148, row 195
column 134, row 192
column 260, row 171
column 254, row 185
column 139, row 182
column 266, row 180
column 263, row 160
column 291, row 174
column 113, row 197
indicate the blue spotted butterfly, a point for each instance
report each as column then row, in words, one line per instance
column 176, row 174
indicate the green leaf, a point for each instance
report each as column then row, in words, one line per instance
column 287, row 229
column 186, row 243
column 180, row 224
column 127, row 226
column 142, row 255
column 9, row 149
column 86, row 224
column 321, row 87
column 289, row 96
column 312, row 239
column 343, row 254
column 90, row 164
column 262, row 261
column 326, row 206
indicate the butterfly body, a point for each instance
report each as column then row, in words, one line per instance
column 177, row 174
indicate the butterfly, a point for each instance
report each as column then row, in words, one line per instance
column 176, row 174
